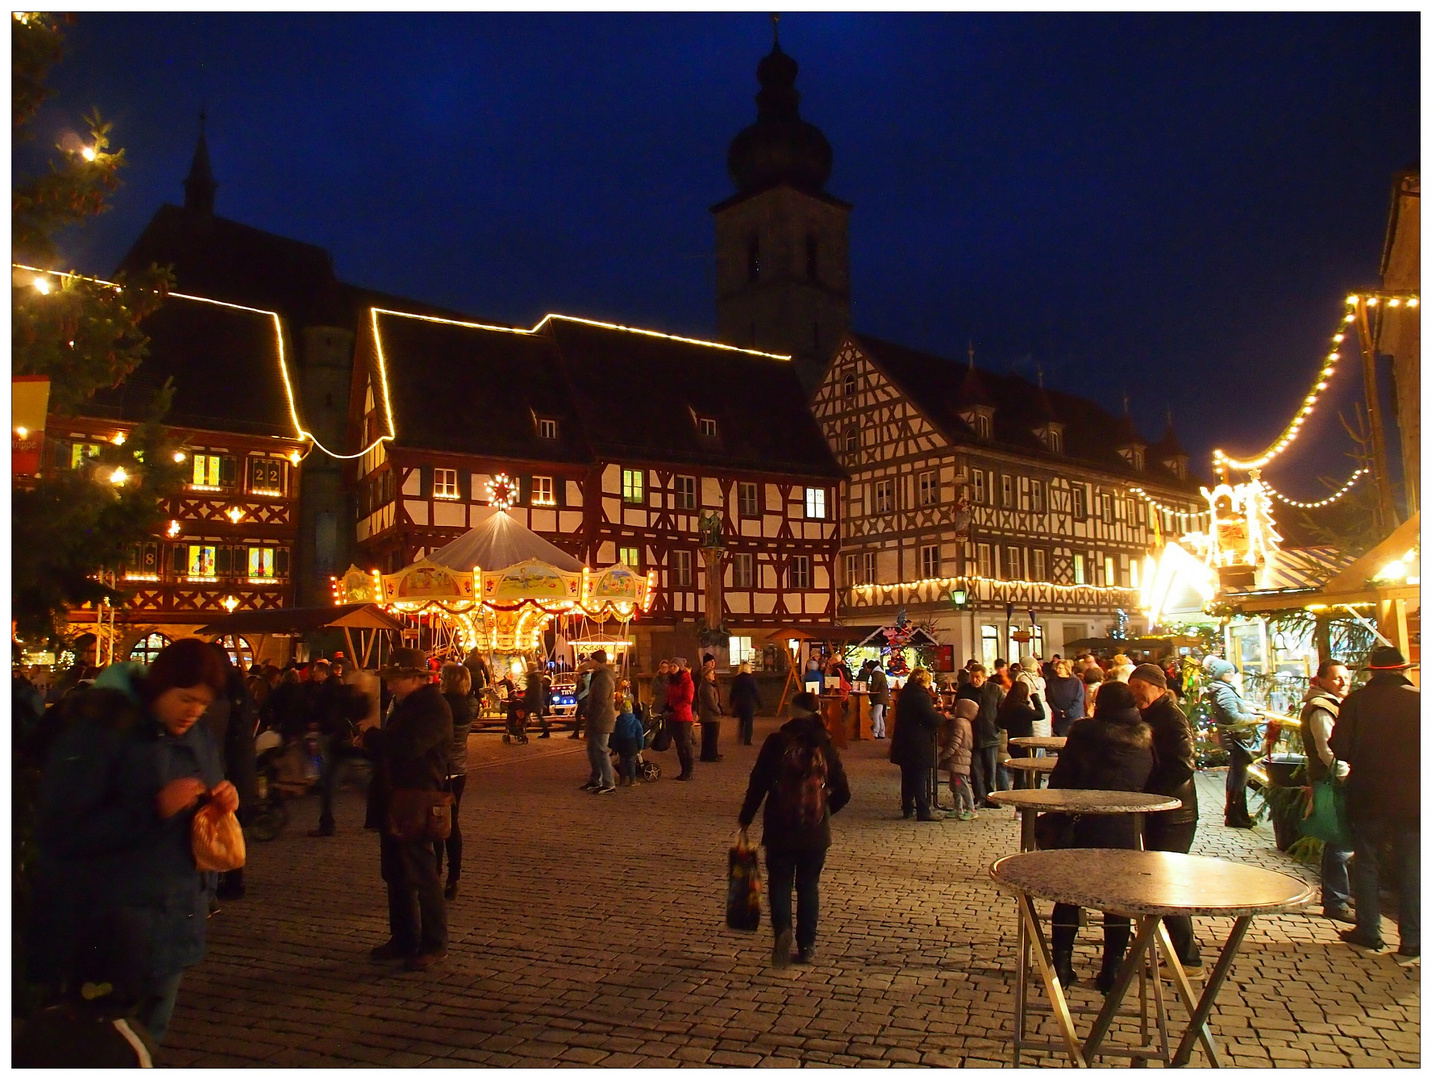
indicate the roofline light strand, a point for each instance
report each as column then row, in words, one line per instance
column 1184, row 515
column 1334, row 497
column 1222, row 461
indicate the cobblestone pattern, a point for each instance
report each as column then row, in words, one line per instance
column 589, row 932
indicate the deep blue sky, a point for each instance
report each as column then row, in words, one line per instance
column 1168, row 205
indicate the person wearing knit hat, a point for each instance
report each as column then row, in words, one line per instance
column 1378, row 734
column 1237, row 734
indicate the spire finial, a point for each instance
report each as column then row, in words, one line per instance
column 971, row 344
column 1125, row 395
column 776, row 29
column 199, row 185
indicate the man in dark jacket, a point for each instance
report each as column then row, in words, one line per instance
column 745, row 700
column 984, row 761
column 601, row 722
column 412, row 754
column 913, row 745
column 1319, row 715
column 1172, row 775
column 799, row 775
column 1378, row 735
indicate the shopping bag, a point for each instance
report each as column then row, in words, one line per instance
column 1326, row 816
column 216, row 839
column 743, row 886
column 661, row 742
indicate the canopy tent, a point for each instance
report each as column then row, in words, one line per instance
column 501, row 542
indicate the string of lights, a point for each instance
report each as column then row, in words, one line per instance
column 1334, row 497
column 946, row 582
column 1222, row 461
column 1182, row 515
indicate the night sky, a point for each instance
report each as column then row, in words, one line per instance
column 1168, row 206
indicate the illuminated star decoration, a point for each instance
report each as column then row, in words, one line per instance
column 500, row 492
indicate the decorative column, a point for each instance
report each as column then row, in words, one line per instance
column 713, row 552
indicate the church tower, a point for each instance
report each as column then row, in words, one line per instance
column 782, row 249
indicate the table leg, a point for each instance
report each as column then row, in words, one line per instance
column 1051, row 981
column 1021, row 983
column 1148, row 926
column 1139, row 831
column 1026, row 828
column 1198, row 1025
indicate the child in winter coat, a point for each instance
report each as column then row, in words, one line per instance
column 627, row 739
column 956, row 754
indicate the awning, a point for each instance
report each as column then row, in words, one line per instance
column 302, row 620
column 918, row 638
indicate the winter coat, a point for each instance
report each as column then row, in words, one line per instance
column 1319, row 715
column 464, row 711
column 1235, row 723
column 809, row 730
column 680, row 692
column 1066, row 702
column 708, row 703
column 601, row 701
column 628, row 734
column 288, row 710
column 917, row 724
column 745, row 695
column 879, row 688
column 957, row 742
column 986, row 725
column 411, row 750
column 101, row 842
column 1017, row 720
column 1378, row 734
column 1112, row 752
column 231, row 719
column 534, row 696
column 1174, row 765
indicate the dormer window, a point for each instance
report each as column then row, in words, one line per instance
column 706, row 426
column 1134, row 455
column 980, row 418
column 546, row 429
column 1052, row 436
column 1178, row 466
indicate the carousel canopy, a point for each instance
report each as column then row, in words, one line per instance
column 500, row 542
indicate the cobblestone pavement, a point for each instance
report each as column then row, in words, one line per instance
column 589, row 931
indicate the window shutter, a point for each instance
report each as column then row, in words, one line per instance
column 223, row 559
column 280, row 562
column 228, row 471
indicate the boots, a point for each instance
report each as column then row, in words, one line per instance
column 1109, row 971
column 1064, row 967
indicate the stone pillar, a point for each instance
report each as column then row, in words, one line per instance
column 714, row 557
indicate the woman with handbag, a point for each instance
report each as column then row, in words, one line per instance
column 1110, row 751
column 410, row 807
column 124, row 782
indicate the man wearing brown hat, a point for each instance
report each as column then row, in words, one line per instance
column 1378, row 734
column 411, row 751
column 1172, row 775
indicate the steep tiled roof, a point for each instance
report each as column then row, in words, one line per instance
column 1092, row 434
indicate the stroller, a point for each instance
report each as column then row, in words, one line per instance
column 286, row 770
column 516, row 723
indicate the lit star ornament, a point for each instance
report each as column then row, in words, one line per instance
column 501, row 492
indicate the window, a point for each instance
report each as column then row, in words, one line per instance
column 706, row 427
column 860, row 568
column 1133, row 573
column 207, row 468
column 629, row 556
column 930, row 561
column 984, row 560
column 686, row 493
column 445, row 483
column 1106, row 507
column 1036, row 496
column 815, row 503
column 742, row 652
column 1136, row 459
column 261, row 563
column 681, row 569
column 1081, row 576
column 852, row 438
column 977, row 486
column 1056, row 440
column 800, row 572
column 547, row 429
column 743, row 570
column 984, row 426
column 634, row 486
column 929, row 488
column 1109, row 578
column 1079, row 504
column 542, row 488
column 147, row 648
column 748, row 499
column 203, row 561
column 1006, row 491
column 79, row 454
column 847, row 386
column 989, row 647
column 241, row 653
column 1038, row 571
column 884, row 496
column 1011, row 563
column 267, row 475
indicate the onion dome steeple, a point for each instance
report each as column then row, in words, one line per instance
column 780, row 147
column 199, row 185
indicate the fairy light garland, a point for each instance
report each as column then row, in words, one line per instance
column 1222, row 461
column 1183, row 515
column 1334, row 497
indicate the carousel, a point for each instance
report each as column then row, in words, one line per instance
column 505, row 592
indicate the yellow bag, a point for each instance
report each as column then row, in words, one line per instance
column 217, row 839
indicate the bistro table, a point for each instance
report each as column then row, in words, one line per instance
column 1146, row 886
column 1030, row 769
column 1030, row 802
column 1039, row 743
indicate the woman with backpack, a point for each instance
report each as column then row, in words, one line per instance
column 799, row 775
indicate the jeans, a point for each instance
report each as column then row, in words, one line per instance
column 453, row 843
column 1367, row 839
column 599, row 754
column 336, row 762
column 417, row 914
column 877, row 721
column 681, row 737
column 157, row 1007
column 629, row 765
column 960, row 789
column 1159, row 836
column 983, row 762
column 1337, row 891
column 746, row 726
column 915, row 790
column 801, row 869
column 1235, row 807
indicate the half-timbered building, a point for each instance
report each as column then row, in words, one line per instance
column 617, row 443
column 1037, row 506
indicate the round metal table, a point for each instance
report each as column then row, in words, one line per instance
column 1030, row 769
column 1146, row 886
column 1030, row 802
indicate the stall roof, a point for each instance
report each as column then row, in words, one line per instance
column 301, row 620
column 1351, row 584
column 876, row 636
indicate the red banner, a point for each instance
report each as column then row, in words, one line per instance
column 30, row 399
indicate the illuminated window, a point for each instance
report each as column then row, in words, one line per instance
column 706, row 426
column 634, row 486
column 748, row 499
column 1134, row 573
column 1081, row 576
column 445, row 483
column 261, row 562
column 815, row 503
column 884, row 496
column 742, row 651
column 547, row 429
column 206, row 470
column 681, row 568
column 203, row 560
column 930, row 561
column 984, row 560
column 743, row 570
column 989, row 647
column 629, row 556
column 542, row 491
column 1038, row 570
column 1011, row 563
column 1080, row 502
column 1109, row 578
column 929, row 488
column 147, row 648
column 686, row 493
column 82, row 452
column 241, row 653
column 266, row 476
column 800, row 572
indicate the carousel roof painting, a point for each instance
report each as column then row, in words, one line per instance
column 500, row 542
